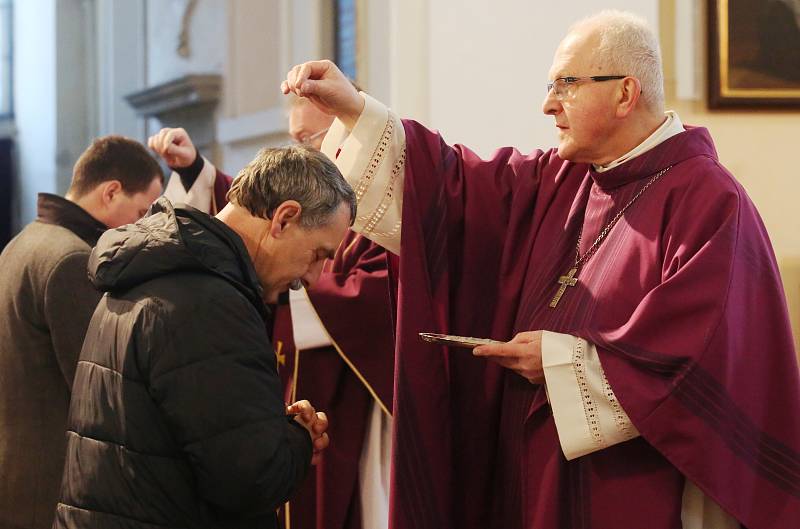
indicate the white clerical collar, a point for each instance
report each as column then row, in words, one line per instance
column 307, row 329
column 671, row 126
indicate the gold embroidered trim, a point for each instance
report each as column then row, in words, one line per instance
column 589, row 406
column 388, row 195
column 350, row 364
column 375, row 160
column 620, row 417
column 294, row 374
column 288, row 516
column 287, row 508
column 344, row 252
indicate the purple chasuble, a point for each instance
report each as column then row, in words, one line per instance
column 222, row 183
column 683, row 300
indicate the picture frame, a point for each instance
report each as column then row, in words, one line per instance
column 754, row 54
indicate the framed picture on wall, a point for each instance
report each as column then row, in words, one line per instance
column 754, row 53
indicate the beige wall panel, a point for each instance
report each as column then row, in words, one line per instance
column 205, row 24
column 757, row 146
column 253, row 71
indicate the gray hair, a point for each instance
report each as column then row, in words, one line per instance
column 628, row 46
column 293, row 173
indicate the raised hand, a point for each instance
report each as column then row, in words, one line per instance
column 327, row 88
column 315, row 422
column 174, row 146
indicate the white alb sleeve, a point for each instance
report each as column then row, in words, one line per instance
column 200, row 195
column 372, row 159
column 587, row 414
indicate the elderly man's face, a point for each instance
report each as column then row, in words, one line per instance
column 584, row 113
column 308, row 125
column 297, row 253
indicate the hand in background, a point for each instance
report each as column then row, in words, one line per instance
column 174, row 146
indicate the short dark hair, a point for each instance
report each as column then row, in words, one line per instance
column 292, row 173
column 115, row 158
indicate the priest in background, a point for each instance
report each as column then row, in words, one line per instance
column 335, row 347
column 648, row 379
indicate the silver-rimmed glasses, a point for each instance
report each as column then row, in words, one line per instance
column 561, row 85
column 307, row 140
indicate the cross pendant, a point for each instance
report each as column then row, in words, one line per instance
column 568, row 280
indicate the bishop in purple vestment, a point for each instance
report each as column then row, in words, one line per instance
column 650, row 379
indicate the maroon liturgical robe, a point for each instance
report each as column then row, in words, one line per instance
column 222, row 183
column 352, row 299
column 683, row 300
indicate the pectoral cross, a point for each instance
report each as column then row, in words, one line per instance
column 568, row 280
column 281, row 357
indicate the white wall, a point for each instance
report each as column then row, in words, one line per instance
column 35, row 101
column 409, row 48
column 207, row 38
column 121, row 63
column 374, row 71
column 266, row 38
column 488, row 67
column 54, row 94
column 75, row 106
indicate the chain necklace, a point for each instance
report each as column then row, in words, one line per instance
column 569, row 280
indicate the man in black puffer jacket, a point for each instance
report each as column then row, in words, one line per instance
column 177, row 418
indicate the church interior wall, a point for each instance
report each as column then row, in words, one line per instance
column 755, row 145
column 75, row 101
column 120, row 55
column 374, row 58
column 207, row 38
column 265, row 39
column 489, row 72
column 252, row 111
column 186, row 37
column 474, row 70
column 483, row 95
column 35, row 102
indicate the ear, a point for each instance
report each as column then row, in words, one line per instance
column 286, row 215
column 628, row 96
column 109, row 190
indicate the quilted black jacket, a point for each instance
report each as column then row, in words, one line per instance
column 177, row 417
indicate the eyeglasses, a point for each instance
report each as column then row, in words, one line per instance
column 306, row 140
column 561, row 85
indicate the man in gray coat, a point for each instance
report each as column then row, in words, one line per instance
column 46, row 302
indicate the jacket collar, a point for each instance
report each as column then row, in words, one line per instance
column 53, row 209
